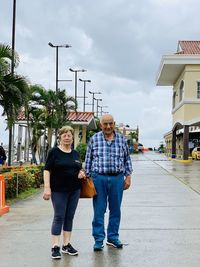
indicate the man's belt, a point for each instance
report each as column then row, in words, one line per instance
column 111, row 173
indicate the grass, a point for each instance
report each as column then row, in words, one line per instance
column 29, row 192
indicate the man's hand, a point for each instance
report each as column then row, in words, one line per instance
column 127, row 182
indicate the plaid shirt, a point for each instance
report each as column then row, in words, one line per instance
column 105, row 156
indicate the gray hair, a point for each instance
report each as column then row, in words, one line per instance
column 104, row 116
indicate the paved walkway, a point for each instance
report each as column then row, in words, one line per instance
column 160, row 223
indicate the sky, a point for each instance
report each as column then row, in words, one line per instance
column 119, row 42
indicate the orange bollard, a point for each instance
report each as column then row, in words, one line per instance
column 3, row 208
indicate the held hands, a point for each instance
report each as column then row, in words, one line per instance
column 81, row 174
column 47, row 193
column 127, row 182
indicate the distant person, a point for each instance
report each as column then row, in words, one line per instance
column 108, row 163
column 62, row 174
column 2, row 156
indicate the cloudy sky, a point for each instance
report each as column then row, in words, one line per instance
column 119, row 42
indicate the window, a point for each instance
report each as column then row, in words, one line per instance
column 198, row 89
column 181, row 91
column 174, row 99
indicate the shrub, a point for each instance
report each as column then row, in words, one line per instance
column 37, row 173
column 81, row 149
column 19, row 180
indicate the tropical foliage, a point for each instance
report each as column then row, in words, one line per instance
column 133, row 136
column 90, row 133
column 81, row 149
column 45, row 110
column 13, row 88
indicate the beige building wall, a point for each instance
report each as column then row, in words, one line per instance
column 77, row 130
column 76, row 135
column 178, row 115
column 192, row 111
column 190, row 76
column 177, row 87
column 84, row 130
column 179, row 145
column 187, row 110
column 168, row 144
column 191, row 79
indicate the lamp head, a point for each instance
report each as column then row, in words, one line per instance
column 50, row 44
column 88, row 81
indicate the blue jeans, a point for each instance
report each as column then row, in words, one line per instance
column 109, row 191
column 64, row 204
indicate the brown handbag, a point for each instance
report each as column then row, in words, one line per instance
column 87, row 188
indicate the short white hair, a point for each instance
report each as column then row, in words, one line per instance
column 104, row 116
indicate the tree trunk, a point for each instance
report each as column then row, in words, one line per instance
column 49, row 137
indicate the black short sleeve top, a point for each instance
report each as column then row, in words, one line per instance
column 64, row 168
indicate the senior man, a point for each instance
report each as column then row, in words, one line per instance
column 108, row 163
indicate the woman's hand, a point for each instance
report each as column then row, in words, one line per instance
column 81, row 174
column 47, row 193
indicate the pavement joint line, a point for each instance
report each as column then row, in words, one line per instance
column 180, row 180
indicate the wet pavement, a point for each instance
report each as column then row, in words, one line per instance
column 160, row 223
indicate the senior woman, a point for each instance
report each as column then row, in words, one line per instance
column 62, row 174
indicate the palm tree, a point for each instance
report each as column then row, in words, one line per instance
column 14, row 90
column 46, row 101
column 64, row 104
column 14, row 93
column 36, row 128
column 5, row 59
column 54, row 108
column 133, row 136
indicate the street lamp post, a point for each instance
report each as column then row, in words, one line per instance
column 13, row 36
column 58, row 46
column 93, row 93
column 11, row 129
column 101, row 107
column 84, row 82
column 75, row 82
column 98, row 99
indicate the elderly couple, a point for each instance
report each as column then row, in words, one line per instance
column 108, row 163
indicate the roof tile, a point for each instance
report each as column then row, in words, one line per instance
column 188, row 47
column 80, row 116
column 73, row 116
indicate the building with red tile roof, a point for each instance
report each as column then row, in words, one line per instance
column 181, row 70
column 80, row 121
column 188, row 47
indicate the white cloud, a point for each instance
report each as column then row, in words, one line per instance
column 120, row 43
column 24, row 32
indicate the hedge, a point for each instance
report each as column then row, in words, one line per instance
column 20, row 179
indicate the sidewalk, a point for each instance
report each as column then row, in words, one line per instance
column 160, row 223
